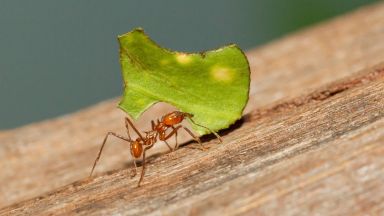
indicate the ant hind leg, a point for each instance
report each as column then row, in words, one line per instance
column 174, row 131
column 176, row 144
column 197, row 139
column 216, row 134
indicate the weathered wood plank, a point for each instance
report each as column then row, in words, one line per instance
column 313, row 157
column 41, row 157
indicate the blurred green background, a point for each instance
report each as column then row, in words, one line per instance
column 60, row 56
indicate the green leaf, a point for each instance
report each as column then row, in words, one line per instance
column 213, row 85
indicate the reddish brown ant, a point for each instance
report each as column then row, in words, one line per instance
column 143, row 143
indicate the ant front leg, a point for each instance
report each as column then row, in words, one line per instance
column 102, row 147
column 143, row 167
column 128, row 122
column 134, row 170
column 127, row 127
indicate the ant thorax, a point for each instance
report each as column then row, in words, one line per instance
column 150, row 137
column 136, row 148
column 160, row 126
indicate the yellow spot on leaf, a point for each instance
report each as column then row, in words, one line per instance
column 222, row 74
column 183, row 58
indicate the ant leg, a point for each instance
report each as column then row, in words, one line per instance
column 170, row 148
column 176, row 145
column 153, row 125
column 174, row 131
column 134, row 170
column 216, row 134
column 134, row 128
column 102, row 146
column 197, row 139
column 127, row 127
column 143, row 167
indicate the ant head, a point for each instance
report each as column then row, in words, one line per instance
column 136, row 148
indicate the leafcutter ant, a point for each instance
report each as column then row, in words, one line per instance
column 139, row 146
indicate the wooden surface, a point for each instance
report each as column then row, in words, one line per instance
column 310, row 143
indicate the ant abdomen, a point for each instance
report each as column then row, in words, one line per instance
column 175, row 117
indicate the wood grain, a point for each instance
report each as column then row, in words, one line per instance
column 316, row 154
column 304, row 146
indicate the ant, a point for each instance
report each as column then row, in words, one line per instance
column 139, row 146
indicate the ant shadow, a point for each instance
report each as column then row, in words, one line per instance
column 238, row 124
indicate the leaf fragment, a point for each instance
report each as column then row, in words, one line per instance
column 213, row 85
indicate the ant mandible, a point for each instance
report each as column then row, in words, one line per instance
column 139, row 146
